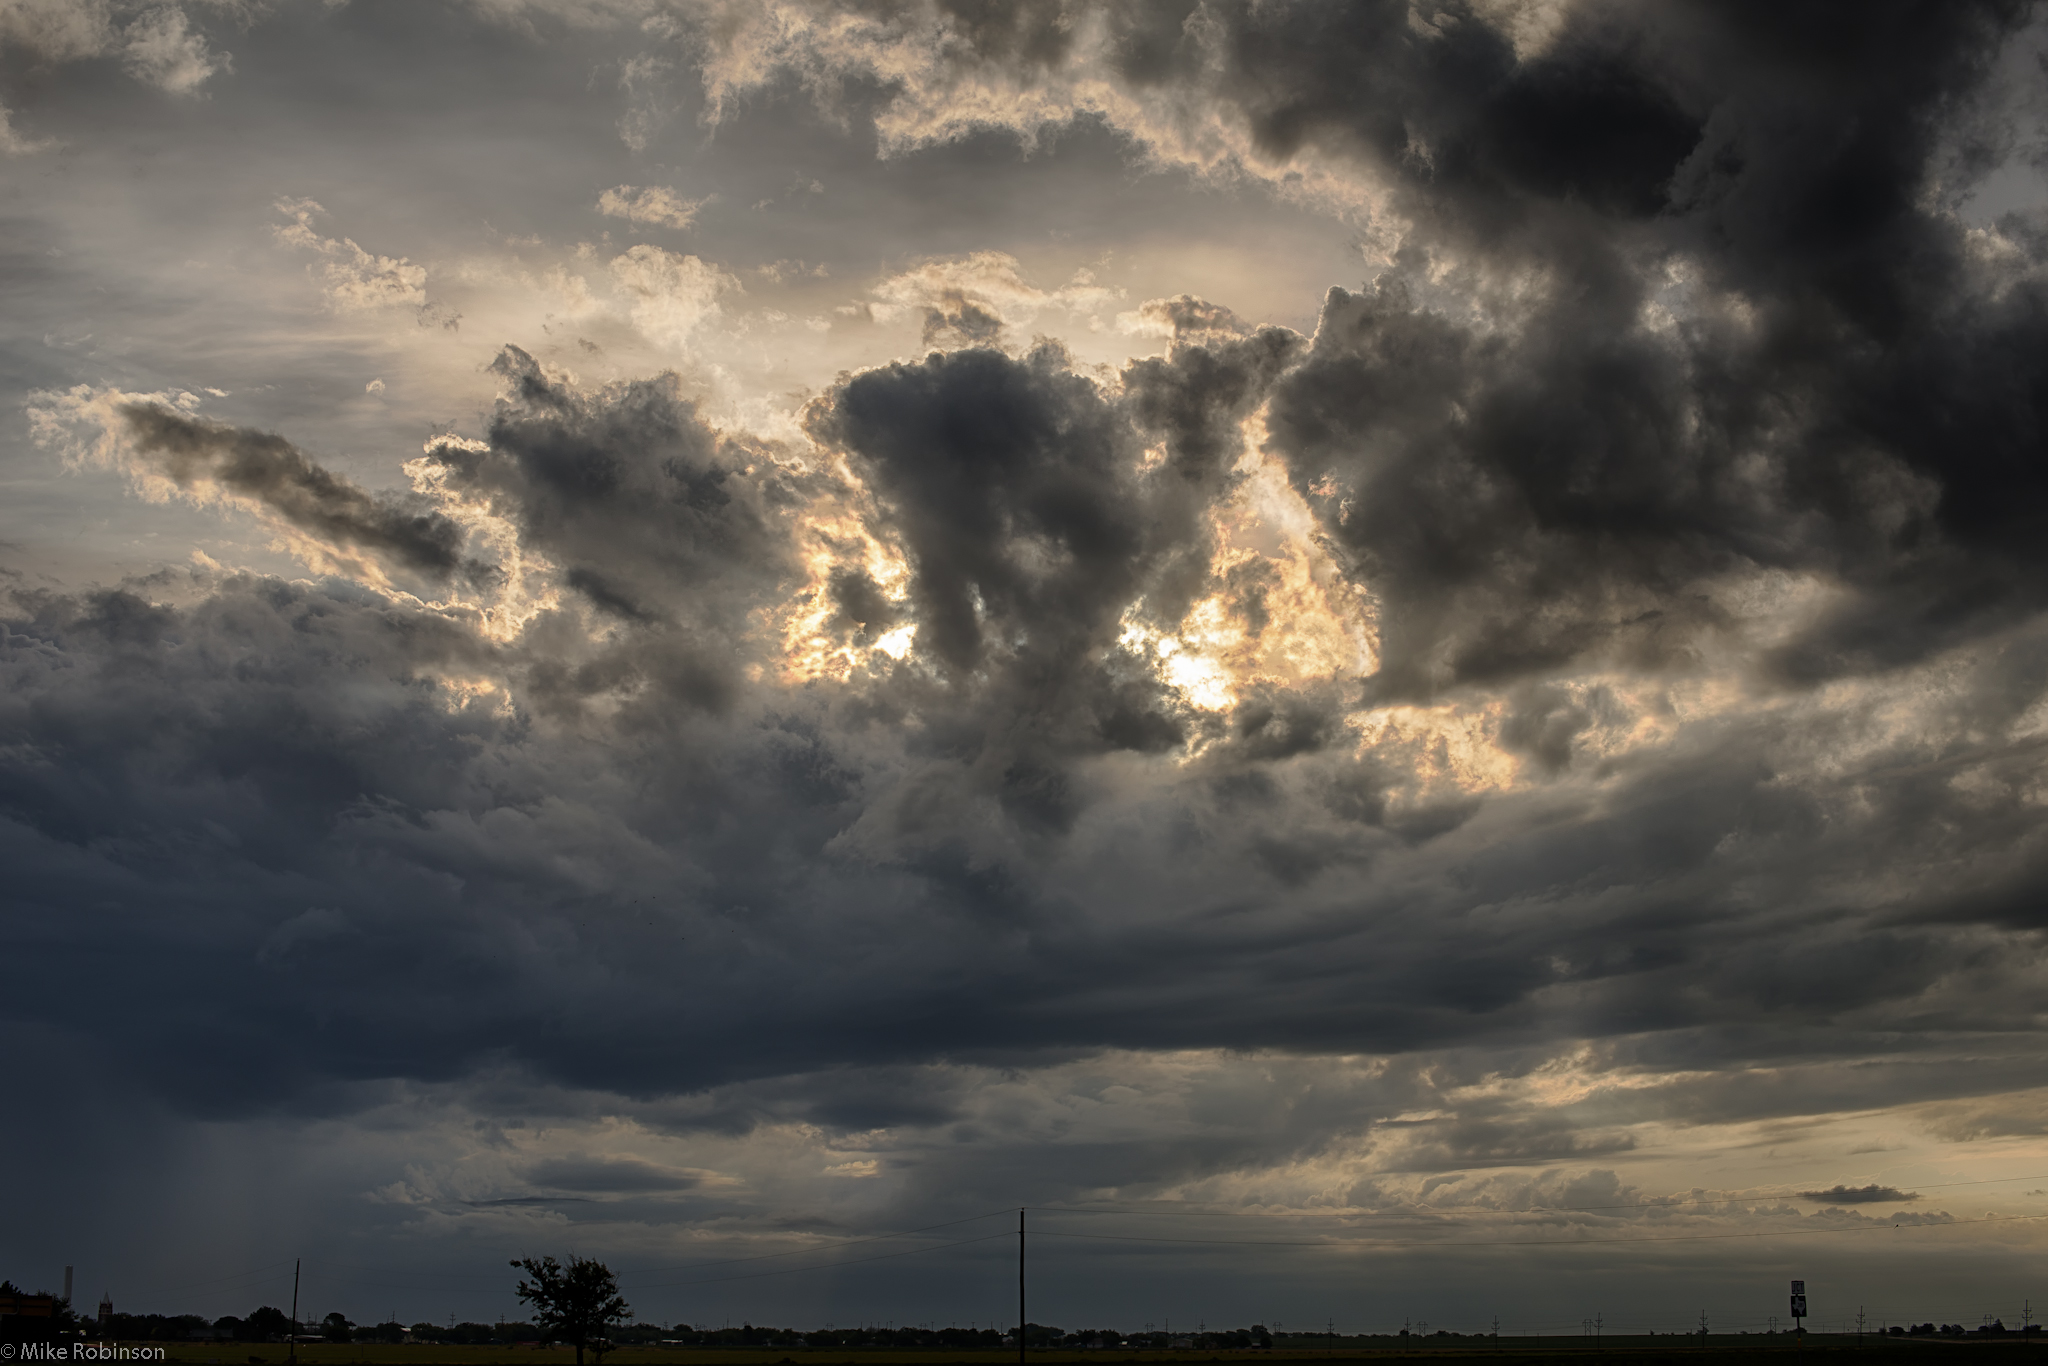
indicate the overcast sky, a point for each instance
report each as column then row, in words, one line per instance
column 688, row 631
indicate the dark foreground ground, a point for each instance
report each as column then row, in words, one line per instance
column 1614, row 1351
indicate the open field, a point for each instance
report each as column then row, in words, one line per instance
column 1659, row 1351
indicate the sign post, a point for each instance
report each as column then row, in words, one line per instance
column 1798, row 1305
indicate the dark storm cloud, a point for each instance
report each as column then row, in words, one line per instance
column 1008, row 482
column 439, row 853
column 347, row 838
column 355, row 841
column 268, row 470
column 1011, row 485
column 629, row 482
column 654, row 519
column 1522, row 499
column 1860, row 1195
column 1014, row 485
column 1848, row 388
column 649, row 510
column 1195, row 403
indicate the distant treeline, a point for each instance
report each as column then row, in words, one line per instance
column 269, row 1324
column 273, row 1325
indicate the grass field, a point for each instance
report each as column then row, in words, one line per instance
column 1661, row 1351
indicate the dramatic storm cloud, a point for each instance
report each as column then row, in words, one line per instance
column 691, row 630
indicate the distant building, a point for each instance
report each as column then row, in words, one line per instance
column 106, row 1312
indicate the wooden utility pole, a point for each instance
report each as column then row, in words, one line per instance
column 292, row 1352
column 1021, row 1320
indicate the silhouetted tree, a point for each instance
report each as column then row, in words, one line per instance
column 267, row 1322
column 573, row 1303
